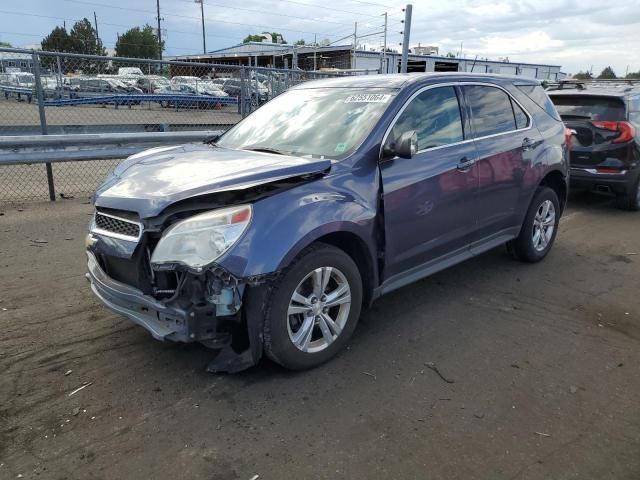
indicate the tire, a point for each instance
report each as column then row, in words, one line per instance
column 529, row 246
column 631, row 199
column 324, row 339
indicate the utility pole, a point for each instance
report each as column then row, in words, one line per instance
column 406, row 38
column 384, row 48
column 159, row 31
column 95, row 21
column 315, row 49
column 204, row 41
column 355, row 44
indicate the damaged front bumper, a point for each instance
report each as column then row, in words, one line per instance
column 194, row 323
column 162, row 321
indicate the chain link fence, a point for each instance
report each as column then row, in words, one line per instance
column 58, row 94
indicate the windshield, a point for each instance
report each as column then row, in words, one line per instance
column 323, row 122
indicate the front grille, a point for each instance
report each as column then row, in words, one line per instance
column 117, row 226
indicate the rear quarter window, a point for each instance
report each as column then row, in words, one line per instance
column 590, row 108
column 537, row 94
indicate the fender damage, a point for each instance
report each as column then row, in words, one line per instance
column 212, row 306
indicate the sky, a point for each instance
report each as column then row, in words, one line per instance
column 576, row 34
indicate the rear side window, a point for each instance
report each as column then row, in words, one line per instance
column 589, row 108
column 491, row 110
column 522, row 120
column 540, row 98
column 435, row 116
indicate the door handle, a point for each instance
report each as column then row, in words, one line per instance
column 465, row 164
column 530, row 144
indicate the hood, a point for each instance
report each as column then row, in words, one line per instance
column 150, row 181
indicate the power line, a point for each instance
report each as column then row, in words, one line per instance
column 177, row 15
column 264, row 12
column 371, row 3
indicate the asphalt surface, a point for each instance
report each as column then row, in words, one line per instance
column 539, row 367
column 15, row 114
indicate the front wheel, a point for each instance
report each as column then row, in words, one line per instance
column 313, row 308
column 539, row 229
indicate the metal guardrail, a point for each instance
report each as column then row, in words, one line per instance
column 47, row 149
column 122, row 99
column 19, row 91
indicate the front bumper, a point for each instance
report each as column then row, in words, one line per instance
column 162, row 321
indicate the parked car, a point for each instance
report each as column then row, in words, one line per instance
column 154, row 84
column 605, row 150
column 22, row 79
column 196, row 86
column 102, row 86
column 274, row 236
column 130, row 71
column 233, row 87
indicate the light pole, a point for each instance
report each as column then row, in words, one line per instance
column 159, row 31
column 204, row 40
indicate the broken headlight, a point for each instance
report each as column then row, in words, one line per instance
column 199, row 240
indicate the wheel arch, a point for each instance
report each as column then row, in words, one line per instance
column 353, row 245
column 556, row 181
column 357, row 249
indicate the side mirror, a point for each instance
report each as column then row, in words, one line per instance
column 405, row 147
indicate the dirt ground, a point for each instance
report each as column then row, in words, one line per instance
column 542, row 364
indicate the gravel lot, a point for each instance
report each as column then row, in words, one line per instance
column 543, row 362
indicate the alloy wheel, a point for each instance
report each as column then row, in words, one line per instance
column 318, row 309
column 544, row 223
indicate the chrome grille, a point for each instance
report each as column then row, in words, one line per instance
column 116, row 227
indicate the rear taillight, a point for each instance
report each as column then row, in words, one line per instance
column 567, row 137
column 627, row 131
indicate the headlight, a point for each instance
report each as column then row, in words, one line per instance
column 201, row 239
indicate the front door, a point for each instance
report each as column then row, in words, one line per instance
column 428, row 199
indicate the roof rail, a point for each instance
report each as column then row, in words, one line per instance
column 565, row 84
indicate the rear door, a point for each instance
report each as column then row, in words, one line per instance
column 596, row 120
column 506, row 140
column 428, row 199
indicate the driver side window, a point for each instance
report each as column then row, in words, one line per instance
column 435, row 116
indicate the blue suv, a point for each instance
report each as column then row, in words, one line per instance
column 271, row 238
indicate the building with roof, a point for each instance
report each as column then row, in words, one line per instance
column 345, row 57
column 10, row 61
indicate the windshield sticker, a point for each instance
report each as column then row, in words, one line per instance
column 368, row 98
column 341, row 147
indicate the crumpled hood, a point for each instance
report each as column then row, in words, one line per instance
column 150, row 181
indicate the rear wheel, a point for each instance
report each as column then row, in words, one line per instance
column 539, row 229
column 631, row 199
column 313, row 308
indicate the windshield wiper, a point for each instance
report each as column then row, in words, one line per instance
column 211, row 140
column 267, row 150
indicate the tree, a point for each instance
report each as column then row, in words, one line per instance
column 583, row 76
column 261, row 37
column 450, row 55
column 253, row 38
column 607, row 74
column 300, row 42
column 84, row 39
column 633, row 75
column 5, row 44
column 138, row 43
column 57, row 41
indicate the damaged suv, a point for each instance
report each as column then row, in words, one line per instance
column 273, row 237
